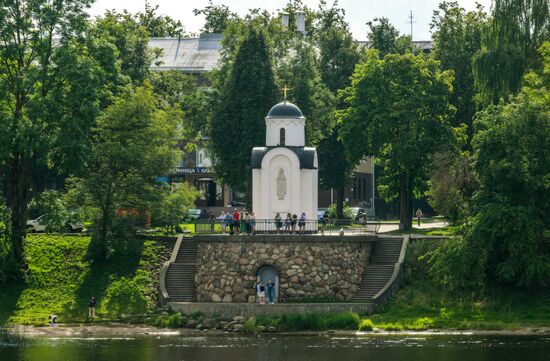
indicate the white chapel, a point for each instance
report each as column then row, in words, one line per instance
column 284, row 172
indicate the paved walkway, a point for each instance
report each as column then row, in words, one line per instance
column 393, row 227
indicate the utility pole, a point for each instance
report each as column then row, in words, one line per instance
column 411, row 22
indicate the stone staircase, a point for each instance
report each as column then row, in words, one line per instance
column 382, row 273
column 177, row 281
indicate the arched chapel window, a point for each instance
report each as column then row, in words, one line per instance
column 282, row 137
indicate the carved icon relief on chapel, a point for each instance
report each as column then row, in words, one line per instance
column 281, row 184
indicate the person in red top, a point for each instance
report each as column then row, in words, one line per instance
column 237, row 220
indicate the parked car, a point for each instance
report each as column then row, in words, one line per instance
column 75, row 227
column 321, row 213
column 194, row 214
column 359, row 214
column 37, row 225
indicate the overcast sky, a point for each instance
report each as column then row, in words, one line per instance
column 358, row 12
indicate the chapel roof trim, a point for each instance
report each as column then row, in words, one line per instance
column 306, row 156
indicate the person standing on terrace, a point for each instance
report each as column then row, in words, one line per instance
column 236, row 221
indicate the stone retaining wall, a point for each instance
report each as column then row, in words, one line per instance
column 309, row 266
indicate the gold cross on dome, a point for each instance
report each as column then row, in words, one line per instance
column 285, row 89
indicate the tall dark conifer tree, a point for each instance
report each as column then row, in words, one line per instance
column 238, row 121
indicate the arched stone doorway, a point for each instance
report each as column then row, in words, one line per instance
column 266, row 273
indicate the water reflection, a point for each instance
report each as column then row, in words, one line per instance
column 275, row 348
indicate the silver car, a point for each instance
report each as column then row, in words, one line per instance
column 37, row 225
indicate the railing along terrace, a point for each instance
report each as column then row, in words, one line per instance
column 270, row 226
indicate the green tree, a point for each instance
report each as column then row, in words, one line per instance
column 237, row 123
column 176, row 89
column 217, row 17
column 131, row 40
column 159, row 25
column 453, row 182
column 457, row 38
column 510, row 42
column 338, row 55
column 173, row 207
column 384, row 37
column 51, row 206
column 512, row 159
column 6, row 254
column 503, row 236
column 49, row 96
column 399, row 111
column 133, row 143
column 336, row 169
column 300, row 72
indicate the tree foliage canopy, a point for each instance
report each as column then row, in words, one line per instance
column 131, row 40
column 300, row 72
column 398, row 109
column 503, row 236
column 133, row 143
column 217, row 17
column 159, row 25
column 50, row 91
column 510, row 42
column 457, row 38
column 385, row 38
column 237, row 124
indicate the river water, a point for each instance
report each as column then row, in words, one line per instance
column 277, row 348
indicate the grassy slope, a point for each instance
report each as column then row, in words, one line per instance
column 60, row 279
column 420, row 304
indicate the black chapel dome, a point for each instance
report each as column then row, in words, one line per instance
column 285, row 110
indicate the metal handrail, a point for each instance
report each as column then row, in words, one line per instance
column 272, row 226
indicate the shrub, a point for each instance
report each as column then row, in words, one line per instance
column 347, row 213
column 197, row 315
column 159, row 321
column 7, row 263
column 126, row 295
column 250, row 327
column 422, row 323
column 366, row 325
column 314, row 322
column 267, row 320
column 302, row 322
column 173, row 206
column 391, row 326
column 175, row 320
column 451, row 265
column 343, row 321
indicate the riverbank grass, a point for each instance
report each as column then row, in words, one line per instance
column 418, row 310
